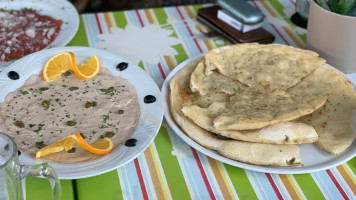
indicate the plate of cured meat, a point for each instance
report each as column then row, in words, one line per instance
column 28, row 26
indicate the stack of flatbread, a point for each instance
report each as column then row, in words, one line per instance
column 254, row 103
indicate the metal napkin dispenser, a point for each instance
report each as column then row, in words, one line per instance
column 236, row 20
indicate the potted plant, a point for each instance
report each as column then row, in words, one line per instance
column 331, row 32
column 342, row 7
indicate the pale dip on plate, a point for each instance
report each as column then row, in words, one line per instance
column 40, row 113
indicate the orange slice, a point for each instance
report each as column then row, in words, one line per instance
column 57, row 65
column 88, row 70
column 103, row 146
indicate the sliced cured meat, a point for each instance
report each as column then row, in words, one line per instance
column 25, row 31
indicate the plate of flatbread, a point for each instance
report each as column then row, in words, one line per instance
column 268, row 108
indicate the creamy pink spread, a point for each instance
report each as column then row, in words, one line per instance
column 40, row 113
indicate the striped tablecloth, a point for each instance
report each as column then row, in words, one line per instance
column 157, row 40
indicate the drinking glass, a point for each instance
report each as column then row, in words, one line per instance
column 12, row 173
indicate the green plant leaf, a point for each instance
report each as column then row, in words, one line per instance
column 333, row 4
column 353, row 11
column 323, row 4
column 345, row 6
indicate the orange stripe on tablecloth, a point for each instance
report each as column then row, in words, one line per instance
column 154, row 172
column 170, row 62
column 269, row 8
column 108, row 21
column 149, row 16
column 293, row 194
column 291, row 186
column 347, row 177
column 295, row 39
column 220, row 180
column 349, row 172
column 219, row 164
column 294, row 186
column 189, row 11
column 209, row 44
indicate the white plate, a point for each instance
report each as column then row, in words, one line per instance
column 57, row 9
column 148, row 124
column 313, row 159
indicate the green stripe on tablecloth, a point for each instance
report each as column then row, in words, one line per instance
column 160, row 15
column 352, row 164
column 170, row 165
column 308, row 186
column 220, row 42
column 141, row 65
column 182, row 55
column 170, row 27
column 80, row 39
column 303, row 37
column 197, row 7
column 240, row 182
column 120, row 19
column 280, row 9
column 104, row 186
column 39, row 188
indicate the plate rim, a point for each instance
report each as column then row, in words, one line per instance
column 165, row 90
column 145, row 144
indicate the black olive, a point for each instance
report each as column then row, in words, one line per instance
column 88, row 104
column 67, row 73
column 13, row 75
column 122, row 66
column 149, row 99
column 40, row 145
column 131, row 142
column 43, row 89
column 73, row 88
column 6, row 147
column 72, row 150
column 109, row 134
column 18, row 152
column 19, row 124
column 71, row 123
column 120, row 112
column 46, row 103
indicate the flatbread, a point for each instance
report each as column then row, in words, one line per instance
column 333, row 121
column 181, row 96
column 261, row 154
column 248, row 110
column 281, row 133
column 215, row 82
column 263, row 67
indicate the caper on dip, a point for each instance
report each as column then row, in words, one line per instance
column 44, row 112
